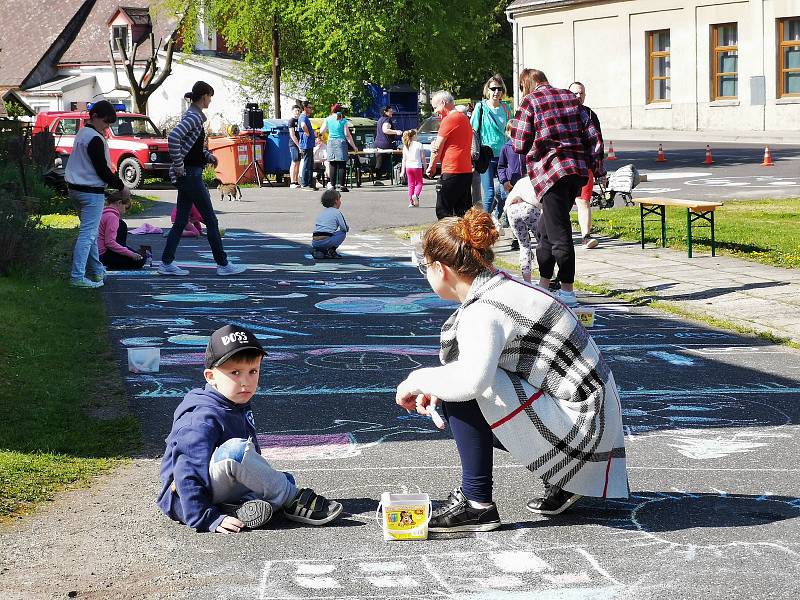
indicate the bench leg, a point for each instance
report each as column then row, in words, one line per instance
column 689, row 230
column 713, row 246
column 641, row 219
column 663, row 226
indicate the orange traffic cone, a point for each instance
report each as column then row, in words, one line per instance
column 611, row 155
column 661, row 157
column 708, row 160
column 767, row 158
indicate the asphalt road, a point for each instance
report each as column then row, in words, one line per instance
column 711, row 420
column 736, row 174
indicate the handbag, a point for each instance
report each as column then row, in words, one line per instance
column 481, row 155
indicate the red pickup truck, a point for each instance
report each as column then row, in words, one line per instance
column 137, row 148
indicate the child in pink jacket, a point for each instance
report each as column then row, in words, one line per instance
column 193, row 227
column 112, row 236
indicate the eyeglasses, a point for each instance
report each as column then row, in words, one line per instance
column 496, row 89
column 418, row 260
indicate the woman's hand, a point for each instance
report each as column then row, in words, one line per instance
column 405, row 397
column 507, row 186
column 229, row 525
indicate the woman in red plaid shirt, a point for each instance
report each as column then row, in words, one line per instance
column 561, row 145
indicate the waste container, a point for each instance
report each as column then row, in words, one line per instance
column 235, row 155
column 277, row 159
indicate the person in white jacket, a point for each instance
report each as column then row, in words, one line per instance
column 519, row 372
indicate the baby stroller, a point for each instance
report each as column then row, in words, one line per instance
column 622, row 181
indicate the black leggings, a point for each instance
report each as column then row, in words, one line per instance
column 555, row 229
column 475, row 441
column 338, row 173
column 120, row 262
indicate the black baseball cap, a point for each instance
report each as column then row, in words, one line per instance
column 227, row 341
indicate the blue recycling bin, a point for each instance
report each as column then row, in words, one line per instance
column 276, row 153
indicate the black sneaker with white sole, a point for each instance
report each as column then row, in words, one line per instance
column 310, row 508
column 458, row 515
column 554, row 502
column 253, row 513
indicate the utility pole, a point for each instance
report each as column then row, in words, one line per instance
column 276, row 68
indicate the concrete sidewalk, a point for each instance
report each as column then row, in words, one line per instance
column 748, row 294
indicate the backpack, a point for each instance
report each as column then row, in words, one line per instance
column 481, row 155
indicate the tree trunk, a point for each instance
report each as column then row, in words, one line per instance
column 276, row 68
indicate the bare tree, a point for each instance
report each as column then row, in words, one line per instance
column 153, row 75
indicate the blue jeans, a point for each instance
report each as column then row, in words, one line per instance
column 86, row 256
column 332, row 242
column 488, row 189
column 192, row 190
column 237, row 472
column 475, row 442
column 307, row 167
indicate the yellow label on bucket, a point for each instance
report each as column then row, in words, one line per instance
column 585, row 315
column 405, row 516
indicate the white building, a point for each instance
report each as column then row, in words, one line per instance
column 691, row 65
column 57, row 59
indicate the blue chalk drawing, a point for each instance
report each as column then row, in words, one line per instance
column 413, row 303
column 186, row 339
column 674, row 359
column 142, row 341
column 256, row 328
column 205, row 310
column 200, row 297
column 142, row 322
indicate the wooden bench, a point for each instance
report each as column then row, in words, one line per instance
column 696, row 210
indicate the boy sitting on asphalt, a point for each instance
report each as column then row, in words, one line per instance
column 330, row 228
column 213, row 475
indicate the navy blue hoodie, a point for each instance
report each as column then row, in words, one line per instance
column 202, row 422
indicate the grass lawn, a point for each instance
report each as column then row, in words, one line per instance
column 63, row 410
column 766, row 231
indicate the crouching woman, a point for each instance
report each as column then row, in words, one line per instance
column 520, row 373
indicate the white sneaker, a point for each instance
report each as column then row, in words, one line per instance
column 567, row 298
column 294, row 186
column 171, row 269
column 329, row 186
column 231, row 269
column 86, row 283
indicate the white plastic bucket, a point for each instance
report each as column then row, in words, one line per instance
column 144, row 360
column 404, row 516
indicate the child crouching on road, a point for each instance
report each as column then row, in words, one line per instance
column 213, row 476
column 330, row 228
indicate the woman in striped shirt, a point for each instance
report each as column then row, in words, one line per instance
column 189, row 158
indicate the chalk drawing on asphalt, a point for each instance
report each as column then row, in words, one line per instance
column 413, row 303
column 505, row 573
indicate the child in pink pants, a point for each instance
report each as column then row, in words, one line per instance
column 413, row 166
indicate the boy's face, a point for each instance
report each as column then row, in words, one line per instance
column 338, row 203
column 235, row 379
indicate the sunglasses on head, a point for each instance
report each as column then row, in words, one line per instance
column 496, row 89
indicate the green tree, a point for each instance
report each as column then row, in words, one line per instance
column 330, row 48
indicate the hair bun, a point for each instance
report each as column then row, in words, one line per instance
column 477, row 229
column 188, row 96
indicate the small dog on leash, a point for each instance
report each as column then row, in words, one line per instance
column 231, row 190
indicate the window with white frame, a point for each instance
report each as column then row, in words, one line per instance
column 658, row 67
column 119, row 36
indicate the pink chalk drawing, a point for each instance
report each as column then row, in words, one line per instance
column 308, row 446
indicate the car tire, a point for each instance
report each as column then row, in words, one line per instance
column 130, row 171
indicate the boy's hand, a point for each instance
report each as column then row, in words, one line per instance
column 229, row 525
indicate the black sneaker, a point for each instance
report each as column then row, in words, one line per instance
column 332, row 253
column 377, row 182
column 312, row 509
column 514, row 244
column 458, row 515
column 253, row 513
column 344, row 188
column 554, row 502
column 555, row 284
column 589, row 242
